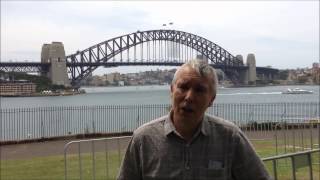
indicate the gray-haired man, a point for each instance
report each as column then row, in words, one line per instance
column 187, row 143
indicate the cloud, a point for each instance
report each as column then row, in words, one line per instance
column 271, row 30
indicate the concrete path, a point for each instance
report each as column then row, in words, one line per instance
column 51, row 148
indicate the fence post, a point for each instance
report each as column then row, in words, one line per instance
column 283, row 123
column 119, row 152
column 138, row 117
column 41, row 124
column 310, row 166
column 80, row 161
column 107, row 158
column 311, row 136
column 65, row 162
column 294, row 139
column 274, row 163
column 93, row 117
column 93, row 161
column 293, row 163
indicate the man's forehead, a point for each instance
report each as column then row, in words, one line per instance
column 196, row 80
column 187, row 72
column 187, row 69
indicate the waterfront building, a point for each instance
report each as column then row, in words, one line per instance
column 17, row 88
column 110, row 78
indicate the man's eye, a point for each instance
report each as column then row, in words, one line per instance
column 182, row 87
column 201, row 89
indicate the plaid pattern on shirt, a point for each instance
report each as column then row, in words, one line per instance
column 217, row 151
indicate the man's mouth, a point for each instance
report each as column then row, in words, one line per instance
column 187, row 109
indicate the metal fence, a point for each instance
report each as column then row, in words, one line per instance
column 297, row 161
column 94, row 158
column 101, row 159
column 44, row 122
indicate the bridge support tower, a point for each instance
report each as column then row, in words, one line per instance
column 248, row 76
column 252, row 72
column 243, row 75
column 55, row 55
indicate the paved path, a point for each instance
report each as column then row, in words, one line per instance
column 29, row 150
column 51, row 148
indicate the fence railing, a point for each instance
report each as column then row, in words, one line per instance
column 298, row 160
column 44, row 122
column 101, row 159
column 87, row 159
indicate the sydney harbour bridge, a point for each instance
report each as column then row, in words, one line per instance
column 141, row 48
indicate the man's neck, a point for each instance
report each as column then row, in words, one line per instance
column 185, row 127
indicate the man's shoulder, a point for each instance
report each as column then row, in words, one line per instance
column 221, row 123
column 149, row 128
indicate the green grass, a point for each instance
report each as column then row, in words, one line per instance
column 284, row 169
column 266, row 148
column 106, row 166
column 35, row 168
column 52, row 167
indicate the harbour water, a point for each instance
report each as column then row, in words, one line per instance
column 122, row 109
column 133, row 95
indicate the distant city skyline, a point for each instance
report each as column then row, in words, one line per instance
column 281, row 34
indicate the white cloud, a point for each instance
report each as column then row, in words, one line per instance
column 265, row 28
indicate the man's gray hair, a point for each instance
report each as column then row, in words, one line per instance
column 204, row 69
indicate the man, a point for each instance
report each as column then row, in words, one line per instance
column 187, row 143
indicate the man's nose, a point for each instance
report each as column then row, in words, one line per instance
column 190, row 95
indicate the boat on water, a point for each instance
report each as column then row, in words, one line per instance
column 297, row 91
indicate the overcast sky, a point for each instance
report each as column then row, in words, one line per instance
column 281, row 34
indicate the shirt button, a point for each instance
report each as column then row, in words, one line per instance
column 187, row 167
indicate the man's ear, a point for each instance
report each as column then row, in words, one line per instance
column 171, row 88
column 211, row 101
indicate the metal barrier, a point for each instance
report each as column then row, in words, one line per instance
column 87, row 150
column 46, row 122
column 298, row 160
column 85, row 153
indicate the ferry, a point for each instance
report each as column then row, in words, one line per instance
column 297, row 91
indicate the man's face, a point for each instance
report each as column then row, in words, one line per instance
column 191, row 94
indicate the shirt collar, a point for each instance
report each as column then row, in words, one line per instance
column 205, row 126
column 169, row 127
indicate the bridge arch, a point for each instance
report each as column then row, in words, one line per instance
column 82, row 63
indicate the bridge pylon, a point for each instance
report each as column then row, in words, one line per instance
column 248, row 76
column 252, row 72
column 243, row 75
column 55, row 55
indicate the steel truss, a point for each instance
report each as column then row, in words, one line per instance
column 82, row 63
column 33, row 67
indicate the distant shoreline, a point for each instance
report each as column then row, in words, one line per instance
column 38, row 94
column 220, row 85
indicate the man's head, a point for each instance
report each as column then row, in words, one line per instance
column 193, row 89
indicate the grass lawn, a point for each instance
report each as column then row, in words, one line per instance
column 107, row 165
column 266, row 148
column 52, row 167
